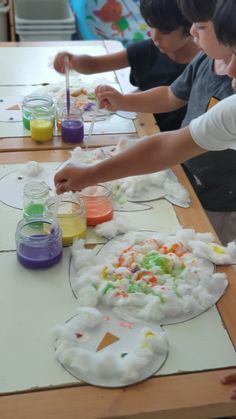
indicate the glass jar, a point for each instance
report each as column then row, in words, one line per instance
column 72, row 126
column 38, row 242
column 35, row 196
column 69, row 211
column 61, row 109
column 35, row 102
column 41, row 124
column 98, row 204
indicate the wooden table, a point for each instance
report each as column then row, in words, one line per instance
column 145, row 125
column 180, row 396
column 25, row 142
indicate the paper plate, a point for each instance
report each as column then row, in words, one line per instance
column 114, row 353
column 180, row 306
column 15, row 182
column 86, row 102
column 142, row 188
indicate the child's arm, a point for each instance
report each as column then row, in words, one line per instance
column 229, row 379
column 87, row 64
column 152, row 154
column 157, row 100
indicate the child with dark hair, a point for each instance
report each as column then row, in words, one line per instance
column 202, row 84
column 226, row 16
column 154, row 62
column 214, row 130
column 197, row 11
column 200, row 14
column 155, row 14
column 225, row 28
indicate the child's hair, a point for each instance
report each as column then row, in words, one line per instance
column 164, row 15
column 225, row 21
column 197, row 10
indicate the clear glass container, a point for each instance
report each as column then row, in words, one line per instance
column 69, row 211
column 42, row 124
column 33, row 103
column 61, row 108
column 98, row 204
column 35, row 196
column 72, row 126
column 38, row 242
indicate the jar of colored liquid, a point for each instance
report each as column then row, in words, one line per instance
column 70, row 214
column 41, row 125
column 38, row 242
column 61, row 109
column 98, row 204
column 32, row 103
column 35, row 196
column 72, row 127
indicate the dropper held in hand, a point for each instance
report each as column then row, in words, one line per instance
column 92, row 123
column 58, row 200
column 67, row 72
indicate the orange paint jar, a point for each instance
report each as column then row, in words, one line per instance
column 98, row 204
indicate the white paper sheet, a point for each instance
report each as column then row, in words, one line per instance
column 32, row 303
column 35, row 65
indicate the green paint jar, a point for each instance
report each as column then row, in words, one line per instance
column 35, row 199
column 34, row 103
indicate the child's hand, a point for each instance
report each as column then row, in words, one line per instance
column 109, row 98
column 229, row 379
column 59, row 61
column 71, row 178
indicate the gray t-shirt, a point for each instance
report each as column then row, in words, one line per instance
column 212, row 175
column 198, row 84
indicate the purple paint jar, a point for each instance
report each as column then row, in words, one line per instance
column 38, row 242
column 72, row 128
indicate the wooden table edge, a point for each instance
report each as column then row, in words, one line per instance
column 185, row 396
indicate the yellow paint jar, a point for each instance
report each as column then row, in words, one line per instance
column 72, row 228
column 41, row 125
column 41, row 130
column 70, row 213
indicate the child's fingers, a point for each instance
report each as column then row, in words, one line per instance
column 102, row 87
column 59, row 62
column 229, row 378
column 107, row 95
column 103, row 104
column 62, row 175
column 103, row 95
column 62, row 187
column 232, row 394
column 103, row 91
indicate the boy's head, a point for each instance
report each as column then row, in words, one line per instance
column 164, row 15
column 170, row 29
column 225, row 22
column 197, row 10
column 200, row 13
column 225, row 28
